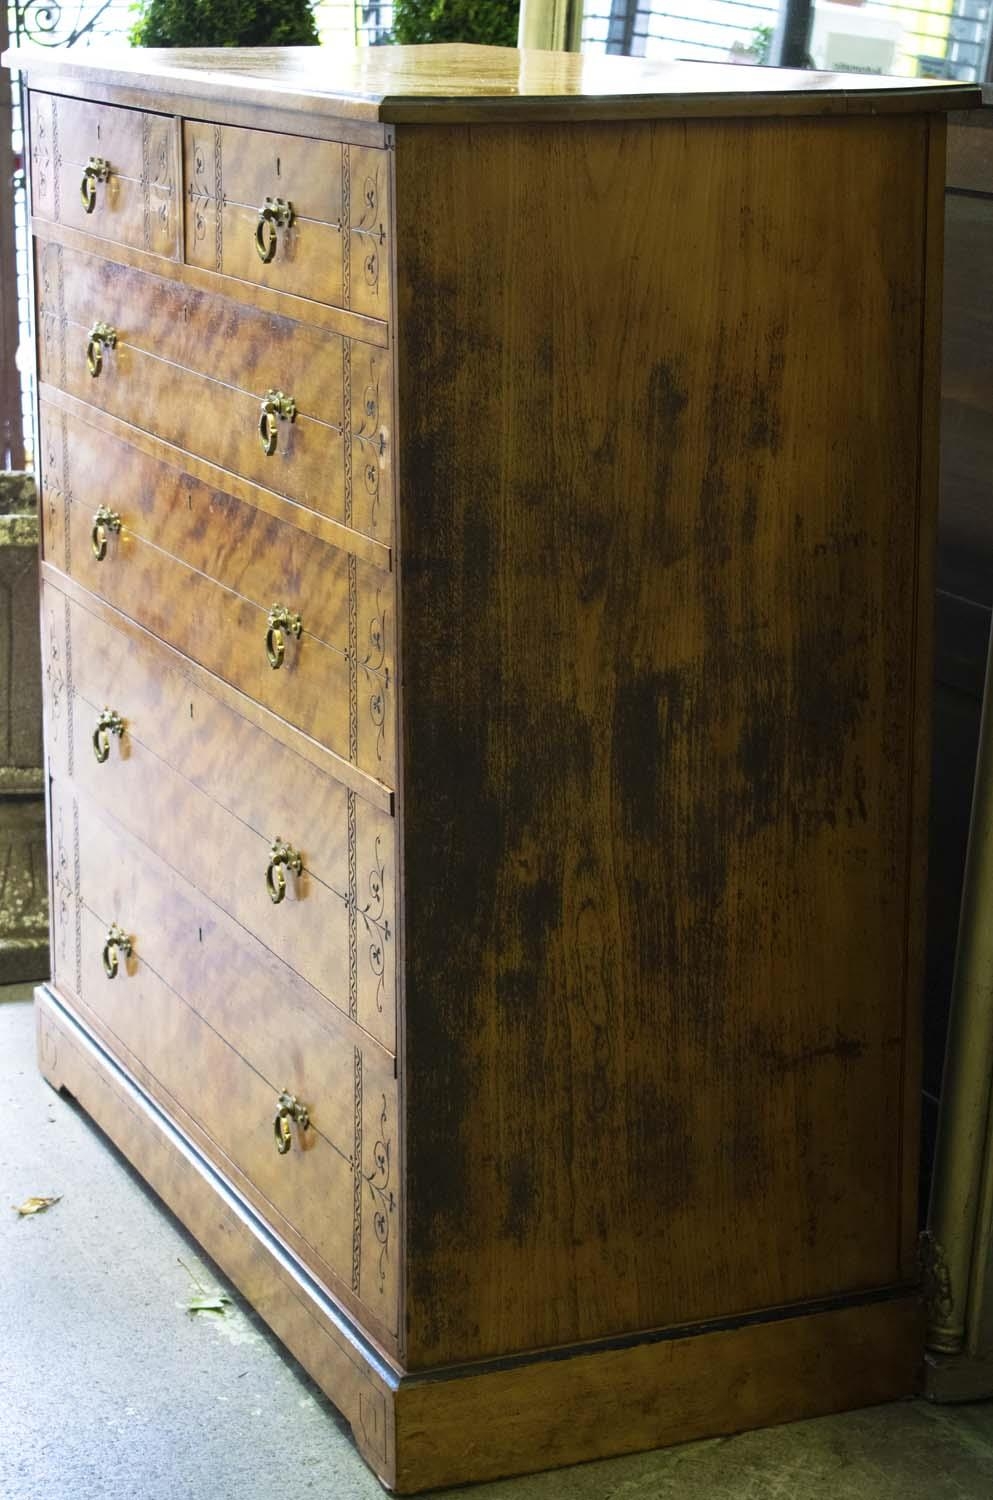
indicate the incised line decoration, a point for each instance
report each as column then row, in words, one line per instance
column 55, row 677
column 219, row 194
column 371, row 439
column 63, row 886
column 77, row 881
column 346, row 233
column 353, row 652
column 383, row 1197
column 346, row 422
column 57, row 165
column 351, row 904
column 146, row 196
column 377, row 672
column 357, row 1177
column 70, row 727
column 371, row 230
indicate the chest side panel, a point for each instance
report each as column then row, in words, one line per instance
column 659, row 408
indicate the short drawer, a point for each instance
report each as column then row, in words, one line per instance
column 210, row 794
column 222, row 1030
column 204, row 572
column 304, row 413
column 303, row 216
column 109, row 171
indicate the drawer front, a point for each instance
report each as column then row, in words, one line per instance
column 209, row 793
column 336, row 247
column 332, row 455
column 222, row 1031
column 130, row 195
column 201, row 570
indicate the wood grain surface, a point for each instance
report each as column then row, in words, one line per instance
column 336, row 461
column 214, row 336
column 417, row 1435
column 656, row 800
column 192, row 1007
column 161, row 781
column 456, row 83
column 249, row 552
column 602, row 1402
column 161, row 657
column 336, row 682
column 138, row 204
column 249, row 294
column 610, row 1036
column 333, row 532
column 337, row 248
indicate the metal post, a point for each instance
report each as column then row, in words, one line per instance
column 965, row 1089
column 551, row 25
column 791, row 40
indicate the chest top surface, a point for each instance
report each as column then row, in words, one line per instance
column 458, row 82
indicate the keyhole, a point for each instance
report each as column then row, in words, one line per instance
column 189, row 500
column 278, row 167
column 191, row 710
column 98, row 130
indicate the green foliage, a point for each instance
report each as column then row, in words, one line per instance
column 225, row 23
column 490, row 22
column 761, row 46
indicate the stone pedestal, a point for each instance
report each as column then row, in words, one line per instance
column 23, row 872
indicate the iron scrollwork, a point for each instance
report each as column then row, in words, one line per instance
column 48, row 23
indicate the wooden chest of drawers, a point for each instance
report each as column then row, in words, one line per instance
column 488, row 501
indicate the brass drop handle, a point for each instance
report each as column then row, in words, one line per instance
column 275, row 213
column 289, row 1108
column 275, row 408
column 101, row 336
column 280, row 621
column 108, row 723
column 279, row 855
column 97, row 169
column 117, row 943
column 104, row 520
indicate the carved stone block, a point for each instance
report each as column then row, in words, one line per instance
column 23, row 878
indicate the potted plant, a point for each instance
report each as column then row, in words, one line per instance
column 225, row 23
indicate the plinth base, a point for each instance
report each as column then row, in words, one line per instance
column 518, row 1415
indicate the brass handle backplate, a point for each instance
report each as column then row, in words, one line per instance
column 97, row 169
column 117, row 943
column 280, row 620
column 104, row 520
column 275, row 408
column 108, row 723
column 289, row 1108
column 279, row 855
column 101, row 336
column 275, row 213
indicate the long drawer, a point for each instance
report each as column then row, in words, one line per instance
column 223, row 1030
column 335, row 247
column 109, row 171
column 210, row 794
column 168, row 360
column 202, row 570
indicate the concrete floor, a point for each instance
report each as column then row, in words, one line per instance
column 109, row 1387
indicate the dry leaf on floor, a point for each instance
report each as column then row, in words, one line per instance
column 218, row 1303
column 36, row 1206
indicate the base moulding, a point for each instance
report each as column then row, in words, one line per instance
column 427, row 1430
